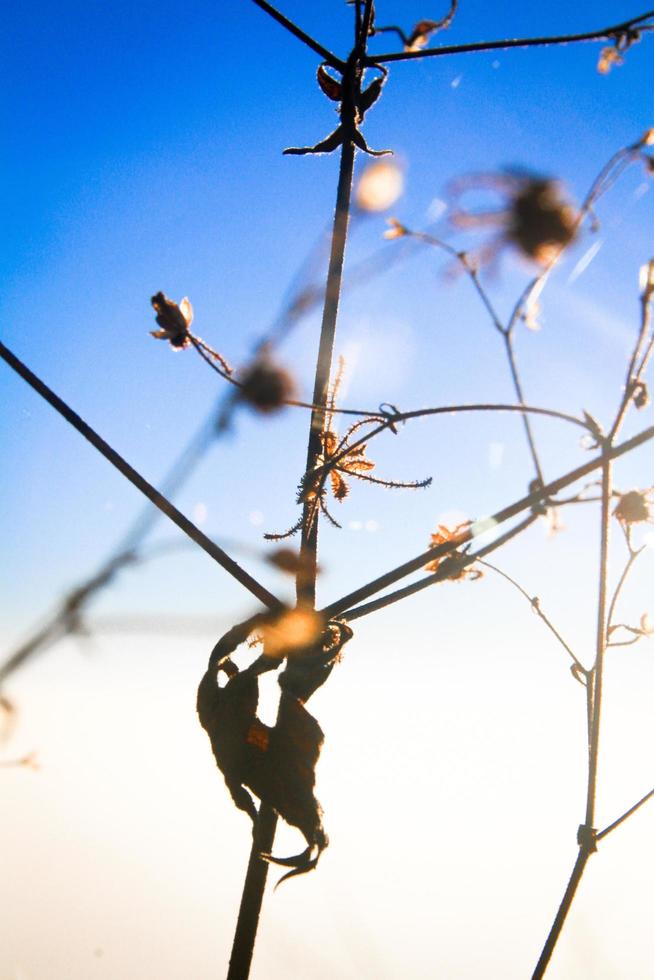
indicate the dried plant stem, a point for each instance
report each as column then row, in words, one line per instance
column 306, row 585
column 527, row 42
column 301, row 35
column 587, row 837
column 135, row 478
column 625, row 815
column 517, row 386
column 531, row 500
column 255, row 881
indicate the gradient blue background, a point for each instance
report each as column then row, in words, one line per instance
column 142, row 151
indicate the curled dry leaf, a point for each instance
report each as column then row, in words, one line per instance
column 275, row 763
column 329, row 85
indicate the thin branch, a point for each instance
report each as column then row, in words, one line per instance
column 135, row 478
column 532, row 500
column 442, row 574
column 255, row 882
column 566, row 902
column 527, row 42
column 628, row 813
column 301, row 35
column 633, row 555
column 534, row 602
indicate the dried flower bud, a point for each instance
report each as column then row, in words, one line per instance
column 647, row 624
column 646, row 279
column 541, row 223
column 647, row 138
column 396, row 229
column 419, row 36
column 266, row 386
column 633, row 508
column 608, row 58
column 173, row 319
column 379, row 187
column 640, row 396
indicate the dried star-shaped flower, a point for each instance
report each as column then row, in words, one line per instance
column 458, row 571
column 174, row 320
column 353, row 462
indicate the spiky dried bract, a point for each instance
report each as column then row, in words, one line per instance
column 266, row 386
column 340, row 457
column 174, row 320
column 635, row 507
column 276, row 763
column 456, row 571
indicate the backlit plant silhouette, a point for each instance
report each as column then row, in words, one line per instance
column 534, row 218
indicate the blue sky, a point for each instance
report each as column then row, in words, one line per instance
column 145, row 154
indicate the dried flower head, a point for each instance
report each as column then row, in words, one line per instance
column 536, row 218
column 458, row 570
column 265, row 385
column 174, row 320
column 635, row 507
column 396, row 230
column 379, row 186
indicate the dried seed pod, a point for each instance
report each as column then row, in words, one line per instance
column 266, row 386
column 541, row 223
